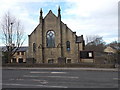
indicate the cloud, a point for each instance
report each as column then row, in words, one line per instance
column 20, row 12
column 87, row 17
column 93, row 17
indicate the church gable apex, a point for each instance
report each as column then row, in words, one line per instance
column 50, row 14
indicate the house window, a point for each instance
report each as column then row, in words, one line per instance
column 34, row 47
column 68, row 45
column 20, row 60
column 51, row 61
column 90, row 54
column 18, row 53
column 50, row 39
column 68, row 60
column 14, row 60
column 22, row 53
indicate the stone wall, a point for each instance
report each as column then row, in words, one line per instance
column 62, row 35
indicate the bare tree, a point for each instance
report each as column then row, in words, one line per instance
column 12, row 34
column 94, row 39
column 116, row 56
column 90, row 38
column 95, row 43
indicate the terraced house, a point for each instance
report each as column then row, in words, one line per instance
column 20, row 55
column 52, row 41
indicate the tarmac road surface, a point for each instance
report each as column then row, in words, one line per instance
column 59, row 78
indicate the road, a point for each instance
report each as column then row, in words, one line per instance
column 58, row 78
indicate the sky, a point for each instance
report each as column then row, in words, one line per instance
column 85, row 17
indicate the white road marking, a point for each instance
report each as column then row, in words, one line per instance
column 64, row 77
column 49, row 72
column 41, row 81
column 74, row 77
column 15, row 79
column 59, row 72
column 11, row 79
column 19, row 79
column 39, row 72
column 116, row 78
column 29, row 76
column 37, row 80
column 31, row 85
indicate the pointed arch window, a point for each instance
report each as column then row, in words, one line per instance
column 34, row 47
column 50, row 39
column 68, row 45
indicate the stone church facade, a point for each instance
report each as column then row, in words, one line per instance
column 52, row 41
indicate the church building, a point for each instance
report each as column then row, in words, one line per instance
column 52, row 41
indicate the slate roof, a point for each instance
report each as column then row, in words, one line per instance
column 3, row 48
column 21, row 49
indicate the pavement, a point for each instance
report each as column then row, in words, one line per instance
column 55, row 68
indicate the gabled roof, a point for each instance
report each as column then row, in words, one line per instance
column 109, row 49
column 21, row 49
column 3, row 48
column 34, row 29
column 78, row 38
column 50, row 12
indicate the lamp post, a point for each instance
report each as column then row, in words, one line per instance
column 11, row 33
column 10, row 43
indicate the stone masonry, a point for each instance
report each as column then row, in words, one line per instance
column 38, row 49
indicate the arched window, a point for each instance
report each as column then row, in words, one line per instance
column 34, row 47
column 68, row 45
column 50, row 39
